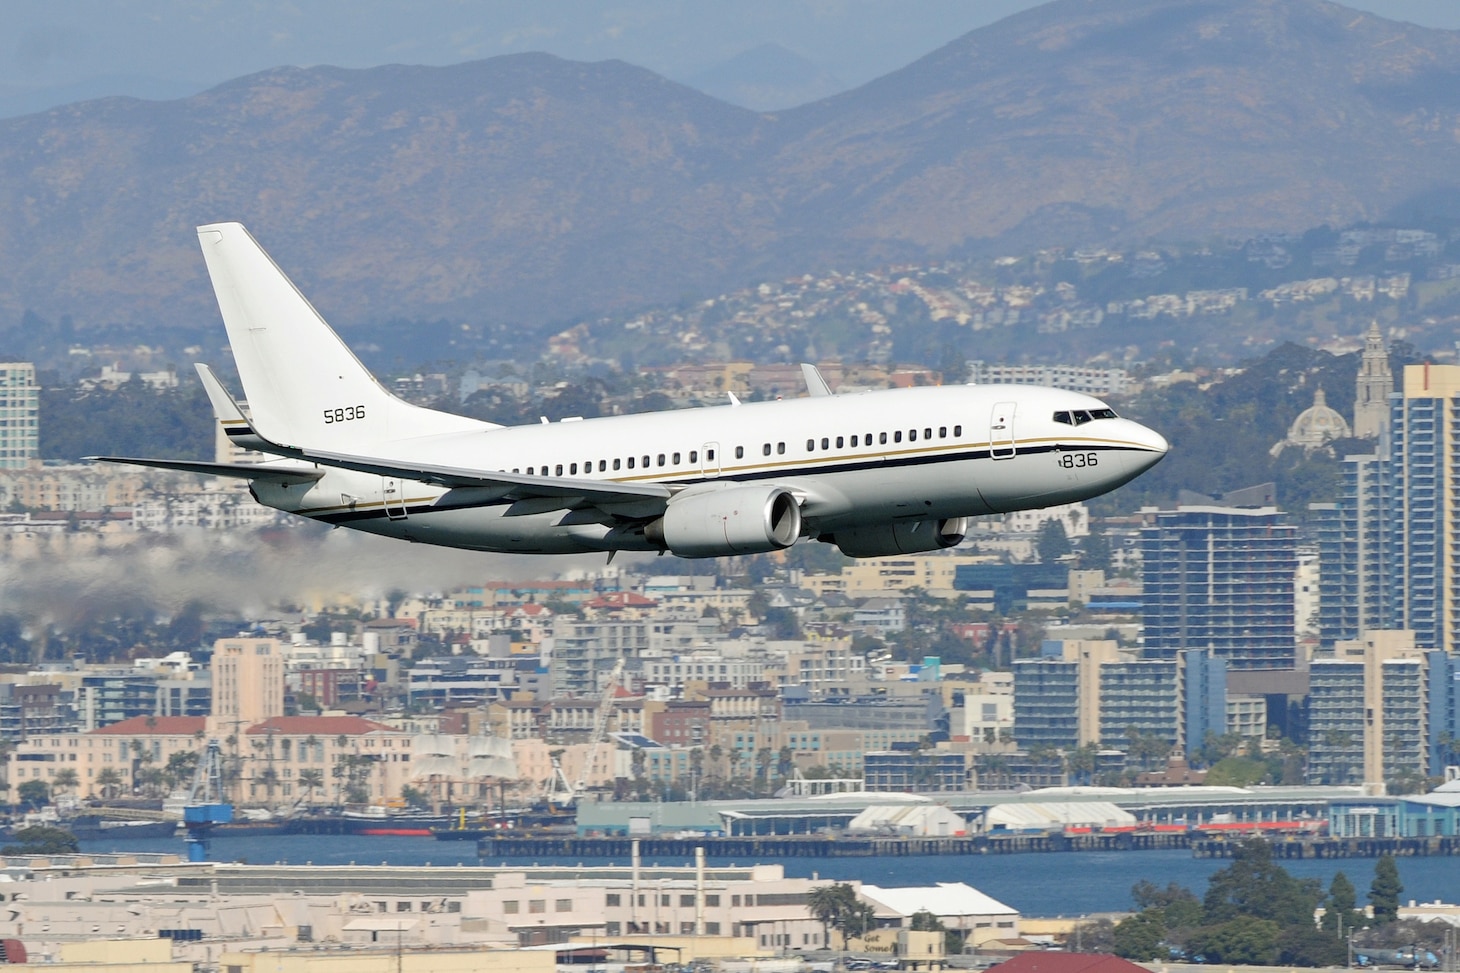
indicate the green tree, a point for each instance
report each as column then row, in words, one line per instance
column 109, row 782
column 1095, row 553
column 1340, row 915
column 1385, row 889
column 827, row 903
column 311, row 779
column 33, row 793
column 65, row 780
column 1053, row 542
column 1243, row 940
column 1139, row 937
column 1307, row 946
column 1177, row 906
column 1254, row 886
column 42, row 840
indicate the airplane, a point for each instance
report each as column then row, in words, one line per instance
column 876, row 473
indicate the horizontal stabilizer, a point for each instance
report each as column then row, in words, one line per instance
column 229, row 413
column 242, row 471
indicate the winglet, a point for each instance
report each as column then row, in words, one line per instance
column 815, row 385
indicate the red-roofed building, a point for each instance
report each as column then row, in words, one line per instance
column 620, row 602
column 154, row 726
column 284, row 759
column 1054, row 961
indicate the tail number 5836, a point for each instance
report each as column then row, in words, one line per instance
column 1073, row 461
column 348, row 413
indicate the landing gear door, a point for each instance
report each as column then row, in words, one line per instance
column 392, row 492
column 1001, row 431
column 710, row 460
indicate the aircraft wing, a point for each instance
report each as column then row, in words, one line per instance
column 509, row 485
column 242, row 471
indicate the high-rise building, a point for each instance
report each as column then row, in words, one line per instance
column 1220, row 578
column 1086, row 691
column 248, row 683
column 1375, row 383
column 19, row 406
column 1057, row 696
column 1352, row 594
column 1206, row 708
column 1390, row 546
column 1369, row 710
column 1140, row 698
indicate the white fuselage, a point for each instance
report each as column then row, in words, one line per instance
column 852, row 461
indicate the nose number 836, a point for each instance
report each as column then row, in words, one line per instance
column 1074, row 461
column 346, row 414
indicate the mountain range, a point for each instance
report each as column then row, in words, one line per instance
column 531, row 189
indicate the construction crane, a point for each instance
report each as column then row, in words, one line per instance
column 600, row 727
column 207, row 807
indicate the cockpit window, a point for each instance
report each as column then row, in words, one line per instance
column 1080, row 416
column 1103, row 414
column 1063, row 417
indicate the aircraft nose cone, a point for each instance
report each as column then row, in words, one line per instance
column 1154, row 441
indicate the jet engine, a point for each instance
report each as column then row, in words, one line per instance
column 734, row 520
column 909, row 537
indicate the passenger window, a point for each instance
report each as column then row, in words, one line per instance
column 854, row 442
column 676, row 459
column 810, row 445
column 661, row 459
column 927, row 434
column 825, row 443
column 616, row 464
column 942, row 432
column 560, row 470
column 838, row 442
column 631, row 462
column 739, row 452
column 529, row 471
column 957, row 431
column 603, row 466
column 765, row 450
column 912, row 435
column 694, row 456
column 1062, row 417
column 710, row 454
column 516, row 470
column 897, row 436
column 780, row 449
column 882, row 438
column 646, row 461
column 573, row 468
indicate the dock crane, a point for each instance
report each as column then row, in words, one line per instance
column 600, row 727
column 207, row 806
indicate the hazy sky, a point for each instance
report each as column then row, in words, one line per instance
column 123, row 46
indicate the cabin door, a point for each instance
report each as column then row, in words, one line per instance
column 393, row 494
column 710, row 460
column 1001, row 431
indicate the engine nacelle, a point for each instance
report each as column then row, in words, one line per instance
column 735, row 520
column 909, row 537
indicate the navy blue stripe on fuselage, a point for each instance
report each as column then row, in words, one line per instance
column 378, row 512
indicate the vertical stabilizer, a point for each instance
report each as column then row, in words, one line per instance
column 304, row 387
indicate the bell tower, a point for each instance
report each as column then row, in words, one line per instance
column 1375, row 382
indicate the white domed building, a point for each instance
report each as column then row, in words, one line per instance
column 1316, row 427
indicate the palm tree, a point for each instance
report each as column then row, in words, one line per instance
column 110, row 782
column 311, row 779
column 65, row 780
